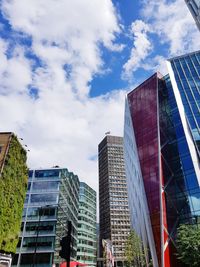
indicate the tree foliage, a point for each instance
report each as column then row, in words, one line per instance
column 188, row 244
column 134, row 252
column 13, row 185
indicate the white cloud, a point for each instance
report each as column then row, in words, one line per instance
column 173, row 29
column 141, row 47
column 70, row 29
column 173, row 23
column 63, row 126
column 15, row 73
column 157, row 63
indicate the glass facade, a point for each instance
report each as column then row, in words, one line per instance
column 51, row 200
column 194, row 7
column 144, row 111
column 188, row 182
column 175, row 201
column 87, row 237
column 186, row 71
column 164, row 114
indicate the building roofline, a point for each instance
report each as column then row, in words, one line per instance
column 6, row 133
column 157, row 73
column 184, row 55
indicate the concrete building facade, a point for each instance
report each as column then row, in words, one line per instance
column 114, row 222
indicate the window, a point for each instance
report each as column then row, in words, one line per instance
column 42, row 258
column 49, row 212
column 42, row 227
column 45, row 198
column 47, row 173
column 42, row 242
column 45, row 186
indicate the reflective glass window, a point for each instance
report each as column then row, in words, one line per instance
column 46, row 173
column 45, row 198
column 40, row 227
column 44, row 242
column 30, row 174
column 42, row 259
column 47, row 212
column 45, row 186
column 26, row 199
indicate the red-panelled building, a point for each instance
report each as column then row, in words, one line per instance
column 144, row 110
column 159, row 199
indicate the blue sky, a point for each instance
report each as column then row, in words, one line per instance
column 67, row 65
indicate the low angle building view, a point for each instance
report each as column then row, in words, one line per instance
column 161, row 134
column 100, row 133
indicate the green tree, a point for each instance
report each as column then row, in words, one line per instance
column 134, row 251
column 188, row 244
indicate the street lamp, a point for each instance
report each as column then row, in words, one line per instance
column 41, row 210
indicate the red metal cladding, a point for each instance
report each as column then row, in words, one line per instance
column 165, row 238
column 144, row 112
column 73, row 264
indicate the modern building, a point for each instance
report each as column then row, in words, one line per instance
column 51, row 201
column 13, row 186
column 87, row 221
column 194, row 7
column 113, row 197
column 184, row 74
column 161, row 143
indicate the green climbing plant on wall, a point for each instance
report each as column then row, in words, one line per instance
column 13, row 185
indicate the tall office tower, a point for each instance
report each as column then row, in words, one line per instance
column 194, row 7
column 13, row 185
column 87, row 221
column 184, row 73
column 51, row 201
column 113, row 197
column 161, row 137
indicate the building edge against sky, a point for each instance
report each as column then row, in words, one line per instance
column 194, row 7
column 161, row 140
column 139, row 214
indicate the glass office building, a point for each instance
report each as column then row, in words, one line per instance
column 185, row 76
column 51, row 201
column 194, row 7
column 87, row 232
column 161, row 137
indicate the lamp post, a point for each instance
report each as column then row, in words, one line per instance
column 41, row 210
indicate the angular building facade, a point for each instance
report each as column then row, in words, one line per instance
column 114, row 214
column 87, row 226
column 161, row 140
column 51, row 201
column 194, row 7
